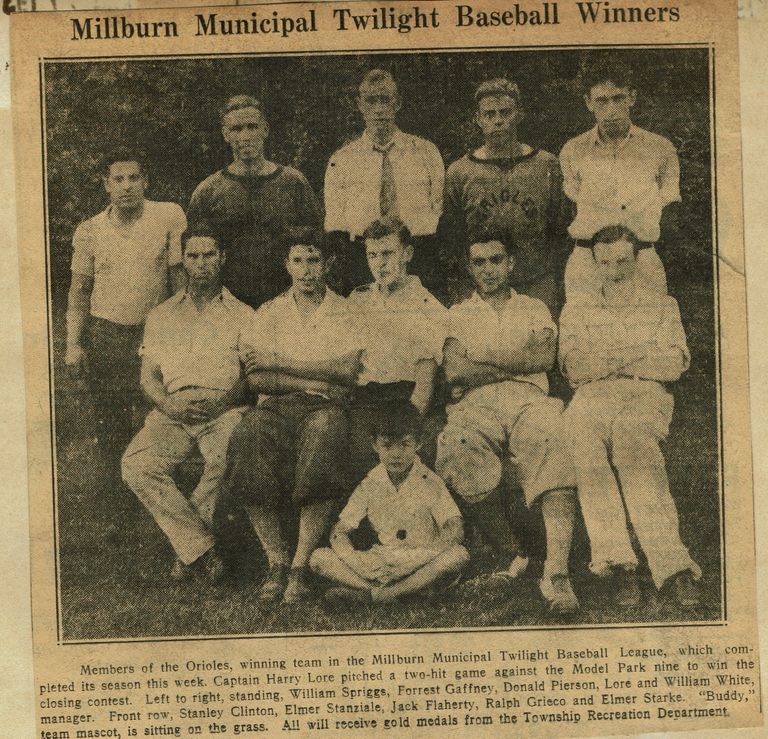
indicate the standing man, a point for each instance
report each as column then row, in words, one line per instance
column 401, row 326
column 511, row 189
column 251, row 204
column 191, row 372
column 384, row 173
column 501, row 344
column 123, row 263
column 301, row 360
column 617, row 348
column 617, row 173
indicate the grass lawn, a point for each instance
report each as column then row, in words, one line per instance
column 114, row 560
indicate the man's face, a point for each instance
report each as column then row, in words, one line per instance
column 611, row 106
column 397, row 455
column 245, row 130
column 388, row 259
column 616, row 263
column 378, row 103
column 306, row 266
column 490, row 266
column 498, row 116
column 125, row 184
column 202, row 259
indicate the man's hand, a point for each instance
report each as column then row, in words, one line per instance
column 538, row 337
column 186, row 409
column 352, row 363
column 75, row 361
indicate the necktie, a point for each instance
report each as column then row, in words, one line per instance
column 388, row 192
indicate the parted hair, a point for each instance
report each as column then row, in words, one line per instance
column 495, row 88
column 121, row 154
column 238, row 102
column 612, row 234
column 304, row 236
column 484, row 234
column 383, row 227
column 200, row 229
column 605, row 69
column 376, row 76
column 396, row 420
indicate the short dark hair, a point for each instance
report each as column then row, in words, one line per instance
column 397, row 420
column 200, row 230
column 387, row 226
column 305, row 236
column 238, row 102
column 374, row 77
column 605, row 69
column 121, row 154
column 612, row 234
column 497, row 87
column 484, row 234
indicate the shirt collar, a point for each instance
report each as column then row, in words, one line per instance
column 395, row 142
column 329, row 298
column 595, row 140
column 381, row 477
column 411, row 285
column 224, row 297
column 477, row 299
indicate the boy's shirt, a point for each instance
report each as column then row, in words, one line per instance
column 397, row 330
column 484, row 331
column 410, row 516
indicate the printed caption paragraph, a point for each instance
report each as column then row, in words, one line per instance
column 399, row 691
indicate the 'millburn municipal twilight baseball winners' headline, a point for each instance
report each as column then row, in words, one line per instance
column 380, row 19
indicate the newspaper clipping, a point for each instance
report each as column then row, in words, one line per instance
column 386, row 369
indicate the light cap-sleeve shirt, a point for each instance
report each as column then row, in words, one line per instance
column 353, row 185
column 590, row 325
column 397, row 330
column 627, row 184
column 484, row 331
column 278, row 327
column 129, row 266
column 197, row 348
column 408, row 516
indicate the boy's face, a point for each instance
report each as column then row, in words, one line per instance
column 202, row 259
column 245, row 130
column 616, row 263
column 388, row 259
column 611, row 106
column 498, row 116
column 306, row 266
column 378, row 104
column 125, row 184
column 397, row 455
column 490, row 266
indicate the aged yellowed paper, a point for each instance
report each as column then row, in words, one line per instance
column 484, row 653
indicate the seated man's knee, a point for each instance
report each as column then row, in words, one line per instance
column 467, row 463
column 327, row 422
column 635, row 442
column 139, row 467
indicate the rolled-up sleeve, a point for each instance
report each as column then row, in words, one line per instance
column 669, row 176
column 571, row 178
column 177, row 224
column 335, row 194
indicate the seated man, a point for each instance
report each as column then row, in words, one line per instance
column 191, row 371
column 418, row 525
column 500, row 345
column 617, row 348
column 300, row 359
column 401, row 325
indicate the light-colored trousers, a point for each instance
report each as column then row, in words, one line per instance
column 624, row 420
column 581, row 272
column 150, row 460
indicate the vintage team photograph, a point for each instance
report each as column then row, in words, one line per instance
column 383, row 342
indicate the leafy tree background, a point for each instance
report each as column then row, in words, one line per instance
column 169, row 109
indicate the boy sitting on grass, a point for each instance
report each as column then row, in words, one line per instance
column 418, row 526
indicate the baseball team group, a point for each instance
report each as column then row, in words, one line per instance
column 391, row 362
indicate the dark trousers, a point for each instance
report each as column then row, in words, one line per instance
column 114, row 368
column 290, row 446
